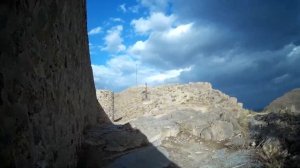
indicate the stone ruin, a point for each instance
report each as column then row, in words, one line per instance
column 209, row 127
column 50, row 116
column 106, row 99
column 47, row 92
column 131, row 103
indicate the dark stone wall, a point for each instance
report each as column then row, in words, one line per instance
column 47, row 93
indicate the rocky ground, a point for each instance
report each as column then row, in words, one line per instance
column 277, row 131
column 194, row 125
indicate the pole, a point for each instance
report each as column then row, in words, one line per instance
column 136, row 75
column 113, row 106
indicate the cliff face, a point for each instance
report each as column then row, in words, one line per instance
column 47, row 95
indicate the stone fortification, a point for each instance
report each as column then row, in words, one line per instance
column 47, row 92
column 106, row 99
column 138, row 101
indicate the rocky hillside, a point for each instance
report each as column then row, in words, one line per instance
column 277, row 131
column 194, row 124
column 288, row 102
column 190, row 124
column 139, row 101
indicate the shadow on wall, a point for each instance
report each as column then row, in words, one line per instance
column 277, row 136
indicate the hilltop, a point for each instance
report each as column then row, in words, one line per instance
column 194, row 124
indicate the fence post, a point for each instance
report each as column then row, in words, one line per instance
column 113, row 106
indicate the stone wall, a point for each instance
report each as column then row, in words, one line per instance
column 131, row 103
column 47, row 93
column 106, row 100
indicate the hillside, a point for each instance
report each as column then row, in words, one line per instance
column 289, row 101
column 194, row 124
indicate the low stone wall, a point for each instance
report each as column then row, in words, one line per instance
column 106, row 100
column 132, row 103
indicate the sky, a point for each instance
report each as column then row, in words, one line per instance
column 249, row 49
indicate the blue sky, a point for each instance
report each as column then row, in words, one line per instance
column 247, row 49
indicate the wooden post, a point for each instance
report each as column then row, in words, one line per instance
column 146, row 92
column 113, row 106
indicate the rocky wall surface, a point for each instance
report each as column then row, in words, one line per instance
column 132, row 102
column 106, row 100
column 290, row 101
column 47, row 93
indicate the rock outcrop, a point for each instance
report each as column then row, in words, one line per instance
column 277, row 131
column 191, row 124
column 135, row 102
column 47, row 94
column 194, row 107
column 289, row 102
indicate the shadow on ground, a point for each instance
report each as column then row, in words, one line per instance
column 277, row 137
column 117, row 146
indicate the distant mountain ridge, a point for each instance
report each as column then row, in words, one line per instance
column 289, row 101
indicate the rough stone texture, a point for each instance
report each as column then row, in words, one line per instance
column 190, row 124
column 277, row 129
column 195, row 108
column 221, row 130
column 200, row 96
column 47, row 95
column 106, row 100
column 289, row 102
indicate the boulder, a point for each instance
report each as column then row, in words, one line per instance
column 221, row 130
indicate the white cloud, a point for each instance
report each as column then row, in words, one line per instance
column 295, row 52
column 95, row 30
column 166, row 75
column 175, row 46
column 281, row 78
column 117, row 20
column 172, row 43
column 123, row 8
column 117, row 73
column 120, row 72
column 134, row 9
column 113, row 40
column 155, row 5
column 156, row 22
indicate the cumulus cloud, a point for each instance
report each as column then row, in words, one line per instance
column 155, row 22
column 295, row 53
column 237, row 46
column 155, row 5
column 113, row 40
column 176, row 46
column 123, row 8
column 256, row 78
column 134, row 9
column 167, row 75
column 123, row 68
column 248, row 49
column 116, row 20
column 255, row 24
column 95, row 30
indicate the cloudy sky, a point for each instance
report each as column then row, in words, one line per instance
column 249, row 49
